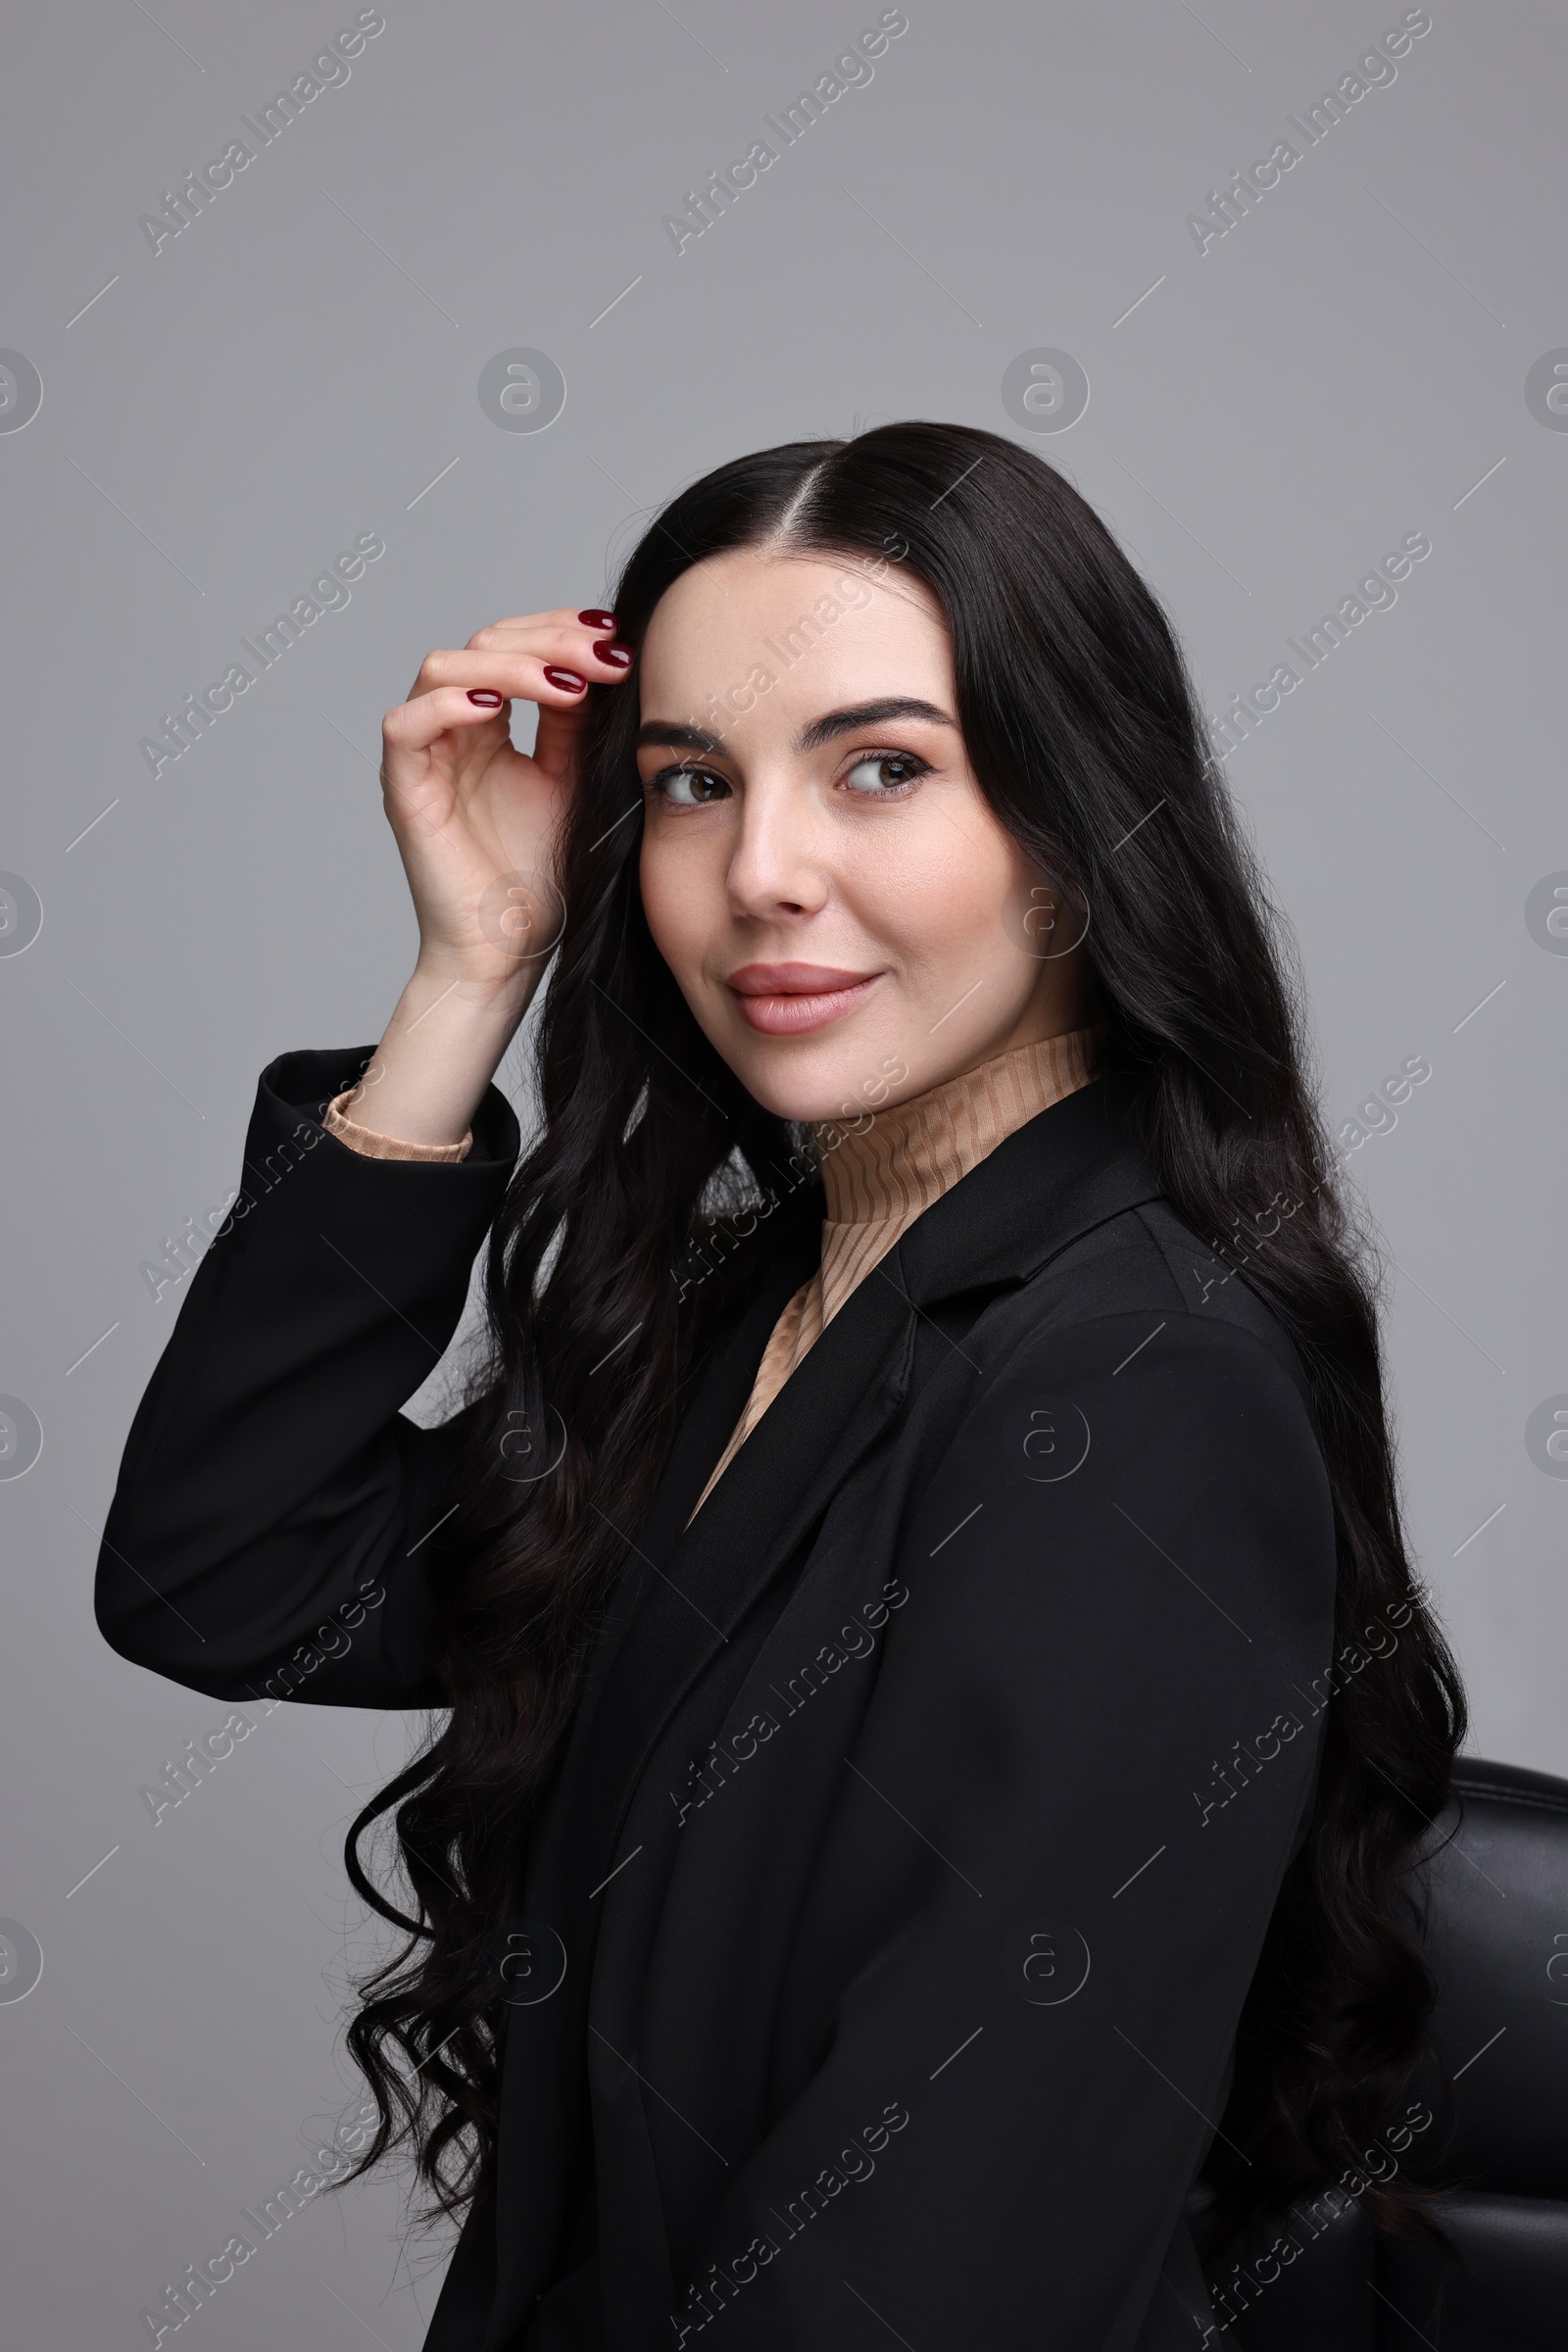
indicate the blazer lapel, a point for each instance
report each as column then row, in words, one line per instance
column 1064, row 1171
column 1048, row 1182
column 830, row 1410
column 717, row 1404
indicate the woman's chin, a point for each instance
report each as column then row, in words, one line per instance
column 810, row 1081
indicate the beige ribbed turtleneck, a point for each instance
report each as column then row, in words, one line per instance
column 878, row 1179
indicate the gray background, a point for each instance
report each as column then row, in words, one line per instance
column 1342, row 368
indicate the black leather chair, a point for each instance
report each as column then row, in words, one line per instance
column 1496, row 2150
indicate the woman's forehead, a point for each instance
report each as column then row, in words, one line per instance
column 823, row 629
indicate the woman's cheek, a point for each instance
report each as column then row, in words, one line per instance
column 935, row 896
column 682, row 883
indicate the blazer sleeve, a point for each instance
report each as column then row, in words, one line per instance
column 268, row 1530
column 1088, row 1757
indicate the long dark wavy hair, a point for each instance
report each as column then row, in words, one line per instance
column 607, row 1279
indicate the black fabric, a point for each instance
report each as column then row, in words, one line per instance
column 907, row 1886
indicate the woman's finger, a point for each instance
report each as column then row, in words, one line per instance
column 557, row 636
column 560, row 731
column 521, row 673
column 416, row 723
column 595, row 621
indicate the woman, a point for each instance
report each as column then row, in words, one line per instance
column 938, row 1703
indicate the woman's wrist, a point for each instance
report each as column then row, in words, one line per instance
column 439, row 1052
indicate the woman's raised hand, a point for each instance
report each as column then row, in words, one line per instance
column 477, row 826
column 469, row 814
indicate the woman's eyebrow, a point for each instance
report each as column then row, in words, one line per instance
column 867, row 714
column 672, row 736
column 665, row 735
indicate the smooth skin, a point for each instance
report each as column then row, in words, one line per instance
column 847, row 919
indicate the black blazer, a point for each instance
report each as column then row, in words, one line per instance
column 877, row 1960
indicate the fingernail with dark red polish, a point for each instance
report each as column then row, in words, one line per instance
column 597, row 621
column 485, row 698
column 566, row 679
column 619, row 656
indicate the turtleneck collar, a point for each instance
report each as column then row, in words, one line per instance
column 905, row 1158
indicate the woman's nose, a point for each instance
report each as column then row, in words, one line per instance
column 778, row 865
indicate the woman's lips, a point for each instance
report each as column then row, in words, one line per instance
column 785, row 1000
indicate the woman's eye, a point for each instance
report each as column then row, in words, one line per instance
column 690, row 787
column 885, row 772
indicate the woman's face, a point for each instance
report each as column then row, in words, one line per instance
column 845, row 917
